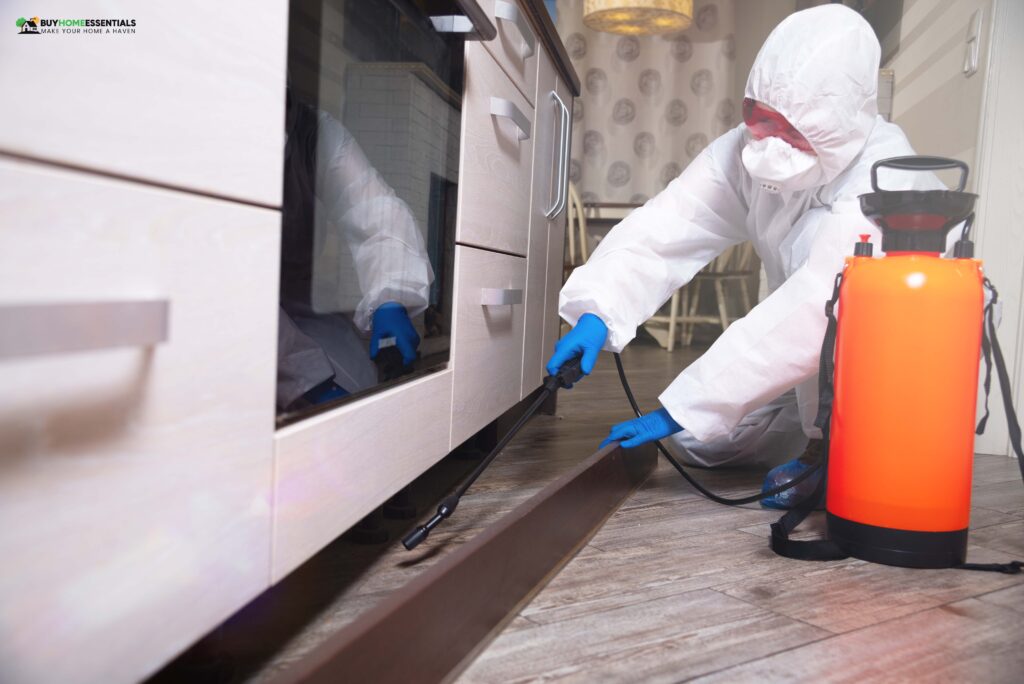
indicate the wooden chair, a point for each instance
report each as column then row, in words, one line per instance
column 735, row 265
column 577, row 218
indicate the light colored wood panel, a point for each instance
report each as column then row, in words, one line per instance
column 487, row 340
column 988, row 470
column 967, row 641
column 134, row 482
column 494, row 186
column 664, row 640
column 1012, row 597
column 509, row 50
column 193, row 99
column 853, row 594
column 333, row 469
column 545, row 172
column 1007, row 537
column 647, row 571
column 1005, row 497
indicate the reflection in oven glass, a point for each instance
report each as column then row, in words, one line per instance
column 370, row 187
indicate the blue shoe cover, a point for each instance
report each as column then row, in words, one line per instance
column 780, row 475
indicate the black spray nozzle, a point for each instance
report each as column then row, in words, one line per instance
column 444, row 510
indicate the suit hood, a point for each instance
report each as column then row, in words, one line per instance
column 819, row 69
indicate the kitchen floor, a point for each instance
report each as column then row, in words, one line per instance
column 672, row 588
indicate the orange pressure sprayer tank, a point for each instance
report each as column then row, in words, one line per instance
column 906, row 376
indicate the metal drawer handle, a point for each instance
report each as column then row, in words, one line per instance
column 561, row 191
column 452, row 23
column 490, row 296
column 507, row 110
column 38, row 329
column 507, row 11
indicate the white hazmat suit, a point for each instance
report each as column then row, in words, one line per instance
column 819, row 69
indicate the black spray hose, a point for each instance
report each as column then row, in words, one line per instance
column 689, row 478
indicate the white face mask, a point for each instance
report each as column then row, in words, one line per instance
column 779, row 167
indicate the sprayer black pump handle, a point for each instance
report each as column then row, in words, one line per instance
column 920, row 163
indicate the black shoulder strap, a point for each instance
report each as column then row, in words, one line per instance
column 992, row 352
column 990, row 344
column 818, row 549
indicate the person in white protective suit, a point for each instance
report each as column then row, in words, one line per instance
column 332, row 194
column 787, row 179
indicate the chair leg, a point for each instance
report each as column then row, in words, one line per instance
column 673, row 312
column 584, row 249
column 692, row 306
column 745, row 294
column 720, row 295
column 572, row 238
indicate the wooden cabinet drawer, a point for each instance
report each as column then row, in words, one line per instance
column 134, row 480
column 516, row 47
column 194, row 98
column 487, row 338
column 497, row 155
column 334, row 469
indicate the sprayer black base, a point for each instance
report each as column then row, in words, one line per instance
column 905, row 548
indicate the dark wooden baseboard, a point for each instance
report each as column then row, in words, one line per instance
column 431, row 628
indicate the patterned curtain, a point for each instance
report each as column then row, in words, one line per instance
column 650, row 104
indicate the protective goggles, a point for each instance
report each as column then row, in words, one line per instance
column 763, row 122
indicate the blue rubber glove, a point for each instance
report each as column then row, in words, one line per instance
column 647, row 428
column 391, row 320
column 585, row 339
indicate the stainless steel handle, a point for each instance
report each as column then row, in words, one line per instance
column 452, row 23
column 563, row 148
column 472, row 24
column 507, row 11
column 507, row 110
column 490, row 296
column 38, row 329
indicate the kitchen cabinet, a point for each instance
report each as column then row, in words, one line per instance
column 146, row 491
column 191, row 99
column 135, row 477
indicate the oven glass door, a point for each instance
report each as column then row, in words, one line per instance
column 371, row 166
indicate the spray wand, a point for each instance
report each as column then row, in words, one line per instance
column 567, row 375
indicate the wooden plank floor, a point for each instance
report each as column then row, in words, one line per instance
column 675, row 587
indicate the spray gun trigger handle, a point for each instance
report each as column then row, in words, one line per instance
column 570, row 372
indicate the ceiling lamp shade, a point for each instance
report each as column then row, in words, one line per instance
column 638, row 17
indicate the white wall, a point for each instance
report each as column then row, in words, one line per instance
column 1001, row 207
column 933, row 101
column 755, row 19
column 974, row 119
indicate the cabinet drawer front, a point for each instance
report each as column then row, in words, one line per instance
column 547, row 171
column 487, row 338
column 135, row 477
column 516, row 47
column 334, row 469
column 193, row 99
column 494, row 190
